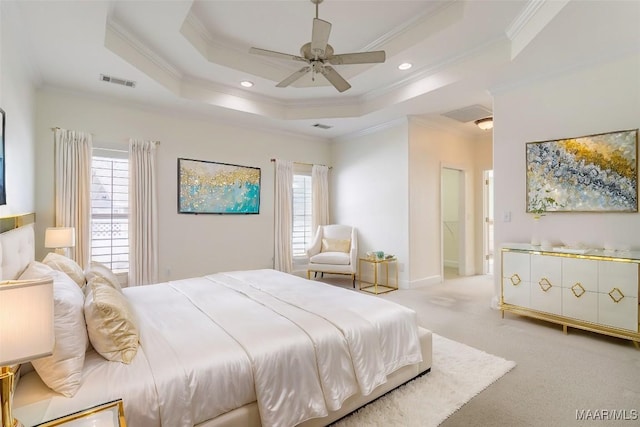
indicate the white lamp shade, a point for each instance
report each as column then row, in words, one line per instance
column 26, row 320
column 60, row 237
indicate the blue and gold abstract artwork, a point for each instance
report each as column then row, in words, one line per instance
column 217, row 188
column 595, row 173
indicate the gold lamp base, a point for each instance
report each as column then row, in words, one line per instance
column 6, row 397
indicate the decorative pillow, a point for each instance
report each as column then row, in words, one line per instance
column 62, row 371
column 36, row 270
column 110, row 322
column 335, row 245
column 97, row 269
column 66, row 265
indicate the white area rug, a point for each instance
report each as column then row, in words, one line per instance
column 458, row 373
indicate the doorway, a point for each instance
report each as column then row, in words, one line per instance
column 452, row 227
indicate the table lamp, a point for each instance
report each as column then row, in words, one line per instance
column 60, row 238
column 26, row 332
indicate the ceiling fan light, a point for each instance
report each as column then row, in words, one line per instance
column 246, row 83
column 485, row 124
column 405, row 66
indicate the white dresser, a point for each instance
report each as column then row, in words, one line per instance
column 596, row 290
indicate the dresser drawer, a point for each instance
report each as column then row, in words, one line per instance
column 584, row 272
column 621, row 275
column 580, row 305
column 622, row 314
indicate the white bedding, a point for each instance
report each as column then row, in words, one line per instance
column 215, row 343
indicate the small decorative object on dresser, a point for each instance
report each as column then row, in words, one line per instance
column 110, row 414
column 594, row 290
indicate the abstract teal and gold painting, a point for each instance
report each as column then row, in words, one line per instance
column 595, row 173
column 217, row 188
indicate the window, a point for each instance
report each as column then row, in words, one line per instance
column 302, row 234
column 110, row 211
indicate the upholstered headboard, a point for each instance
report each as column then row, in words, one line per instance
column 17, row 250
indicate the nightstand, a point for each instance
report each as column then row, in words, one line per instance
column 110, row 414
column 376, row 287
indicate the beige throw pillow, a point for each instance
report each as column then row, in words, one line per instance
column 66, row 265
column 336, row 245
column 97, row 269
column 110, row 322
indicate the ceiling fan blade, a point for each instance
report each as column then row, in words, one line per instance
column 335, row 79
column 320, row 37
column 293, row 77
column 278, row 55
column 358, row 58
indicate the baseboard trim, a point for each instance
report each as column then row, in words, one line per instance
column 425, row 281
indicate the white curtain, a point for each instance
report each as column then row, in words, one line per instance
column 319, row 196
column 283, row 254
column 143, row 213
column 73, row 189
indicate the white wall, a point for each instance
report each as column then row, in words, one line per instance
column 369, row 190
column 431, row 148
column 190, row 245
column 17, row 99
column 592, row 99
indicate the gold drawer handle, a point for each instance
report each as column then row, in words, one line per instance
column 515, row 280
column 545, row 284
column 616, row 295
column 578, row 290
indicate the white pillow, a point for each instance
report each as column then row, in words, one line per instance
column 97, row 269
column 62, row 371
column 110, row 322
column 36, row 270
column 66, row 265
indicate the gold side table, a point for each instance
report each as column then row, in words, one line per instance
column 376, row 287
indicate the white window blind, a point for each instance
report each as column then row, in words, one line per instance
column 110, row 211
column 302, row 233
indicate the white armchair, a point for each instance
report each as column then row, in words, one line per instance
column 334, row 250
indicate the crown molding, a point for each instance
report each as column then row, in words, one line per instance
column 372, row 129
column 531, row 21
column 427, row 123
column 518, row 24
column 428, row 71
column 606, row 58
column 406, row 27
column 118, row 30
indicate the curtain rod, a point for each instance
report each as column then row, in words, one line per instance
column 57, row 128
column 306, row 164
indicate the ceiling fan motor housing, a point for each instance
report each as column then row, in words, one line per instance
column 305, row 52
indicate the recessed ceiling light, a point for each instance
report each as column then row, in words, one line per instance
column 246, row 83
column 405, row 66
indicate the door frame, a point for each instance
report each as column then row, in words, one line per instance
column 463, row 208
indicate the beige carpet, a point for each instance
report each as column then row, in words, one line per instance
column 557, row 375
column 458, row 373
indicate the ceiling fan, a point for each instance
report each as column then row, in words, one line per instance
column 318, row 54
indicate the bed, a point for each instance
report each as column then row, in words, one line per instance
column 248, row 348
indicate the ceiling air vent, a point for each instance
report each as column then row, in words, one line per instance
column 321, row 126
column 469, row 114
column 117, row 81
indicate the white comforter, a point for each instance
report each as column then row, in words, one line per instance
column 215, row 343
